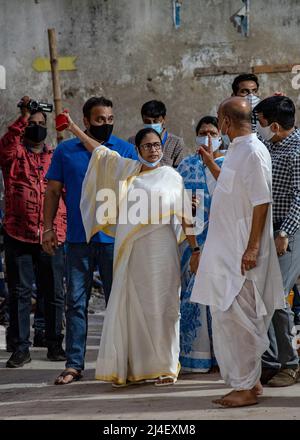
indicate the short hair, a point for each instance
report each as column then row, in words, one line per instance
column 33, row 112
column 207, row 120
column 95, row 102
column 280, row 109
column 243, row 77
column 142, row 133
column 154, row 109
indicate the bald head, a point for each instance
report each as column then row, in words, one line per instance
column 237, row 109
column 234, row 117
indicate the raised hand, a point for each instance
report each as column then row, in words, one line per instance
column 207, row 152
column 25, row 112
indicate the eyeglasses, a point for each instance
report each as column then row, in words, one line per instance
column 148, row 147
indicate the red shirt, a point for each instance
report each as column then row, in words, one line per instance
column 24, row 180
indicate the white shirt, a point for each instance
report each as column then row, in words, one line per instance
column 210, row 181
column 245, row 181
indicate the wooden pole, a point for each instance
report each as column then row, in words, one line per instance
column 55, row 76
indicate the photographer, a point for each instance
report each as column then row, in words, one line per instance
column 25, row 159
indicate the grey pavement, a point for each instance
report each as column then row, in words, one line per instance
column 28, row 393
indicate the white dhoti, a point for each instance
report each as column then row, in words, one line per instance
column 242, row 305
column 240, row 337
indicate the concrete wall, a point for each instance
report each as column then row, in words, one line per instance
column 129, row 51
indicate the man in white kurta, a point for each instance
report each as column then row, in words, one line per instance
column 239, row 275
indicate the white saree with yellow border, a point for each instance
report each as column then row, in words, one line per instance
column 140, row 338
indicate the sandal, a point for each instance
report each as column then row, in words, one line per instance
column 116, row 385
column 75, row 377
column 164, row 381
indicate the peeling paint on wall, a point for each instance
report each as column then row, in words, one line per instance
column 129, row 51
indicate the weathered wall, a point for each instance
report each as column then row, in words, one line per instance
column 129, row 50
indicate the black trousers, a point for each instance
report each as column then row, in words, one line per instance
column 26, row 262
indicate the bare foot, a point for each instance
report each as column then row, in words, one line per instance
column 237, row 399
column 258, row 389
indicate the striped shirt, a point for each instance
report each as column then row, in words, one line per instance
column 285, row 157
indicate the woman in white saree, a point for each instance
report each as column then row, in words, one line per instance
column 140, row 338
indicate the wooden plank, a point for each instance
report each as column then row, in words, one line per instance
column 236, row 70
column 273, row 68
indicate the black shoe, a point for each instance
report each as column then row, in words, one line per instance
column 18, row 359
column 267, row 374
column 39, row 340
column 56, row 353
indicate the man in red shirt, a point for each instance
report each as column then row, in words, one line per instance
column 25, row 159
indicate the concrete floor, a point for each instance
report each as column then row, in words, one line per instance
column 29, row 393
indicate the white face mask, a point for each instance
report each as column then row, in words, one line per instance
column 149, row 164
column 265, row 132
column 215, row 142
column 253, row 100
column 226, row 140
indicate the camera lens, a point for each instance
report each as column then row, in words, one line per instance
column 33, row 105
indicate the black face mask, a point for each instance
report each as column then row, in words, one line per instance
column 101, row 132
column 35, row 133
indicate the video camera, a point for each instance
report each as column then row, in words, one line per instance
column 36, row 106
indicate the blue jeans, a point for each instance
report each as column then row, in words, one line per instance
column 281, row 353
column 39, row 314
column 23, row 262
column 81, row 258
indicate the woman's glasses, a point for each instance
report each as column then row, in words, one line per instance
column 148, row 146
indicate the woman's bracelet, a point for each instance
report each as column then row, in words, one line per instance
column 48, row 230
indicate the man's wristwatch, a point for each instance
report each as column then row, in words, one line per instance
column 282, row 234
column 196, row 250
